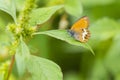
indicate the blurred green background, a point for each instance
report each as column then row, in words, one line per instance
column 77, row 63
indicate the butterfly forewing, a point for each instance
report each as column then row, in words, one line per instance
column 80, row 24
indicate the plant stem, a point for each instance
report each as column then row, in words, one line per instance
column 10, row 67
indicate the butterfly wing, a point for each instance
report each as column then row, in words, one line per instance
column 83, row 35
column 80, row 24
column 80, row 29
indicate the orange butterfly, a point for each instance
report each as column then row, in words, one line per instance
column 79, row 30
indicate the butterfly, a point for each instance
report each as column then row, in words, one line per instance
column 79, row 30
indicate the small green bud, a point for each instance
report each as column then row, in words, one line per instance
column 11, row 28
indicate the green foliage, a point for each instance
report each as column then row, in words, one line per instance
column 105, row 28
column 65, row 36
column 22, row 40
column 73, row 7
column 41, row 15
column 39, row 68
column 98, row 71
column 4, row 70
column 95, row 2
column 22, row 54
column 43, row 69
column 112, row 58
column 9, row 7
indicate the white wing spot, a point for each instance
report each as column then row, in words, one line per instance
column 84, row 34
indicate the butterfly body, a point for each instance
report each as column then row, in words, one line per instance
column 80, row 31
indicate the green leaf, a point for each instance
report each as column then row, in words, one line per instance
column 113, row 56
column 19, row 3
column 64, row 35
column 41, row 15
column 73, row 7
column 104, row 29
column 96, row 2
column 43, row 69
column 22, row 54
column 9, row 7
column 39, row 68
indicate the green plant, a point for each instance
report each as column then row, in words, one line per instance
column 23, row 28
